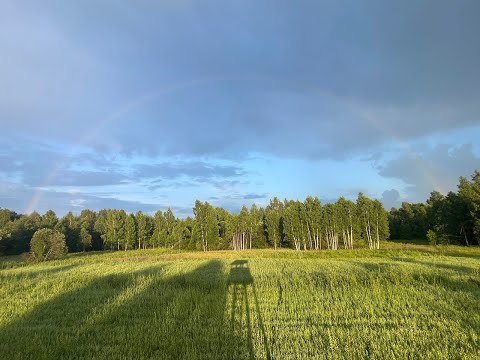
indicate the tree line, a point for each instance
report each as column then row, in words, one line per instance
column 444, row 219
column 302, row 225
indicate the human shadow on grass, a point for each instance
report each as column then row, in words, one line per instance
column 144, row 314
column 244, row 312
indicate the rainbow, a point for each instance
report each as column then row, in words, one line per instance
column 145, row 98
column 87, row 137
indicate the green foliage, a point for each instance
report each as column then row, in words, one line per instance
column 130, row 233
column 454, row 218
column 409, row 222
column 49, row 220
column 114, row 230
column 5, row 217
column 206, row 230
column 307, row 225
column 274, row 222
column 85, row 236
column 144, row 229
column 48, row 244
column 70, row 227
column 432, row 237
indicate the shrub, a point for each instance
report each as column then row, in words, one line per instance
column 432, row 237
column 47, row 244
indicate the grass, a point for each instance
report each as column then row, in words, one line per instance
column 405, row 301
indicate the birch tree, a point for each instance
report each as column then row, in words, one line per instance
column 206, row 225
column 144, row 229
column 365, row 214
column 130, row 235
column 313, row 214
column 273, row 222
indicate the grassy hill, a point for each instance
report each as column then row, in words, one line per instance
column 405, row 301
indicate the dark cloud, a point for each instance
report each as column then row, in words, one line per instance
column 116, row 86
column 199, row 171
column 436, row 168
column 253, row 196
column 37, row 165
column 323, row 79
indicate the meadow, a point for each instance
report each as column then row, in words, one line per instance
column 404, row 301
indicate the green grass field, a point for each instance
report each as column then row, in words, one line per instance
column 406, row 301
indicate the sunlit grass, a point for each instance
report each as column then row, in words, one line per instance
column 401, row 302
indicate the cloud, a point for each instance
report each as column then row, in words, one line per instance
column 158, row 96
column 316, row 81
column 16, row 197
column 196, row 170
column 253, row 196
column 390, row 199
column 437, row 168
column 37, row 165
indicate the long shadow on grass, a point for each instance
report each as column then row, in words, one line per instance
column 32, row 272
column 458, row 268
column 453, row 278
column 145, row 314
column 245, row 316
column 48, row 327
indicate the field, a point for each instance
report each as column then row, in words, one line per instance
column 406, row 301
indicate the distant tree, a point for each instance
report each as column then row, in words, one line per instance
column 114, row 228
column 48, row 244
column 241, row 227
column 169, row 223
column 255, row 226
column 100, row 227
column 274, row 222
column 313, row 214
column 49, row 219
column 130, row 235
column 331, row 221
column 5, row 229
column 380, row 223
column 365, row 212
column 144, row 229
column 181, row 234
column 188, row 239
column 159, row 236
column 5, row 217
column 226, row 225
column 88, row 219
column 469, row 208
column 346, row 212
column 85, row 236
column 293, row 227
column 70, row 227
column 205, row 225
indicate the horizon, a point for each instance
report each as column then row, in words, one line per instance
column 145, row 106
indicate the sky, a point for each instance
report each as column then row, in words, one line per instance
column 144, row 104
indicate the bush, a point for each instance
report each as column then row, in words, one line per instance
column 432, row 237
column 47, row 244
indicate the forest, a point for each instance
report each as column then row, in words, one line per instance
column 309, row 225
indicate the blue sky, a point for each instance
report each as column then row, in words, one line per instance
column 143, row 104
